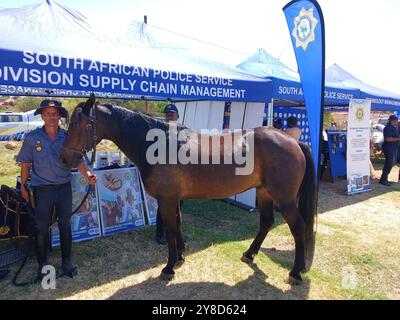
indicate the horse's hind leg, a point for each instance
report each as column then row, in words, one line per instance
column 265, row 206
column 297, row 227
column 179, row 241
column 168, row 214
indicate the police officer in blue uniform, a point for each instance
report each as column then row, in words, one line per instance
column 51, row 182
column 389, row 147
column 170, row 114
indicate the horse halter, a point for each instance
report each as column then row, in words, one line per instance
column 90, row 128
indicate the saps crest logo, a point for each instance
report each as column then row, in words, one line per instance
column 304, row 28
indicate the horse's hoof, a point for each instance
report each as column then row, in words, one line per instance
column 294, row 281
column 246, row 259
column 166, row 276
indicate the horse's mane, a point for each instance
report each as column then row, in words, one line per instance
column 139, row 118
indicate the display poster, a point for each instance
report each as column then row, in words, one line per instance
column 101, row 159
column 358, row 151
column 85, row 223
column 115, row 158
column 151, row 206
column 121, row 205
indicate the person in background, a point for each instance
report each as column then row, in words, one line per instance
column 324, row 152
column 398, row 152
column 277, row 123
column 390, row 145
column 171, row 114
column 50, row 182
column 292, row 129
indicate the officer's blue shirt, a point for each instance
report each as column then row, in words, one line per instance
column 44, row 155
column 390, row 131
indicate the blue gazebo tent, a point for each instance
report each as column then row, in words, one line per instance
column 287, row 93
column 286, row 85
column 48, row 48
column 381, row 99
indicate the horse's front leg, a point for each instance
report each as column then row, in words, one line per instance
column 168, row 214
column 179, row 241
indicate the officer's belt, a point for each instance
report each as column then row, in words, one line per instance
column 50, row 187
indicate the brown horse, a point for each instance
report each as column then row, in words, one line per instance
column 283, row 173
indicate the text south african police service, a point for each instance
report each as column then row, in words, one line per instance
column 69, row 72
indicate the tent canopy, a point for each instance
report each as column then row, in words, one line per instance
column 286, row 82
column 381, row 99
column 50, row 48
column 340, row 85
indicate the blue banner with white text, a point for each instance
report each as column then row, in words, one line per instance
column 306, row 27
column 39, row 73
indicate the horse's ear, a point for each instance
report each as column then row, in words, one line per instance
column 89, row 104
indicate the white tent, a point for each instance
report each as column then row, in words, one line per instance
column 50, row 49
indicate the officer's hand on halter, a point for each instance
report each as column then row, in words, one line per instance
column 92, row 179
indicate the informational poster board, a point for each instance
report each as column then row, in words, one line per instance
column 358, row 151
column 115, row 158
column 121, row 205
column 85, row 223
column 101, row 159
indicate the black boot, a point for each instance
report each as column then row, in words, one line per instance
column 41, row 241
column 66, row 241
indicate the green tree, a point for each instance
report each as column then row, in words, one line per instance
column 328, row 118
column 24, row 104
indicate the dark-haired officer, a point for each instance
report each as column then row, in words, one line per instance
column 171, row 113
column 50, row 181
column 389, row 147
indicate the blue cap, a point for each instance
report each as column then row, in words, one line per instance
column 393, row 117
column 52, row 104
column 171, row 108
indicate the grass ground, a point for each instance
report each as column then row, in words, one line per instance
column 357, row 255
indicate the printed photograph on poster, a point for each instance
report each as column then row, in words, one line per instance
column 85, row 223
column 151, row 206
column 121, row 206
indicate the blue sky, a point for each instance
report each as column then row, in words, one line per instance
column 361, row 35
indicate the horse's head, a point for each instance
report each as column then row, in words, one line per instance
column 82, row 134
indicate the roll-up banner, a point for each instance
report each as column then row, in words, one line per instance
column 358, row 146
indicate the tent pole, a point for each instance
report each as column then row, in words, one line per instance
column 270, row 113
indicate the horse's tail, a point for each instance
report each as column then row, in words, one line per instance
column 308, row 204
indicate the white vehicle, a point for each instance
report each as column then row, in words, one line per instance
column 14, row 125
column 377, row 136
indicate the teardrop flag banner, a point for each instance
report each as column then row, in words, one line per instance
column 307, row 29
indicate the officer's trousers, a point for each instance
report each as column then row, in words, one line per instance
column 390, row 161
column 47, row 197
